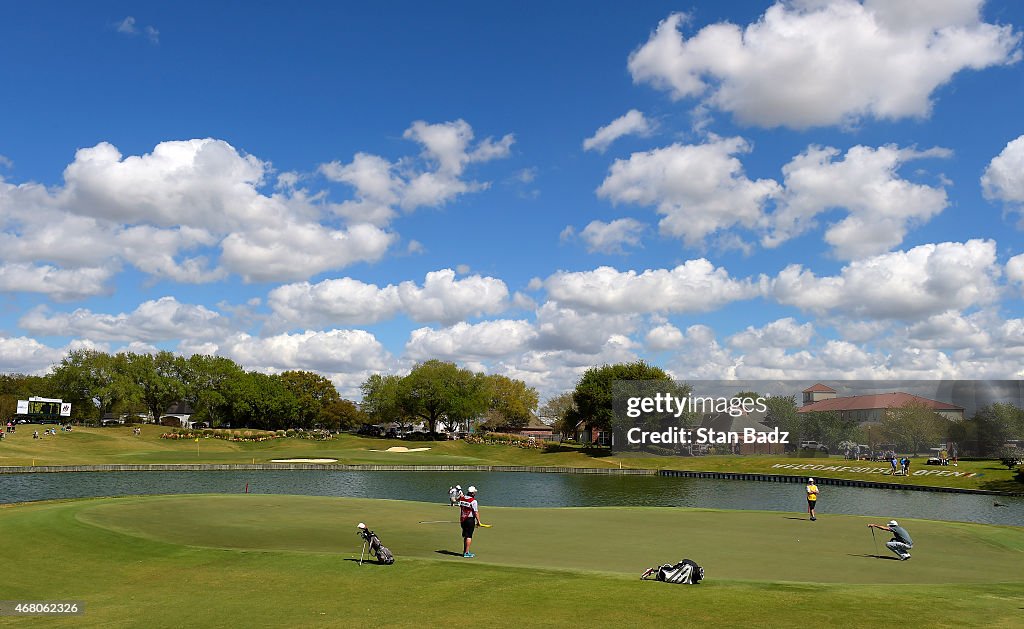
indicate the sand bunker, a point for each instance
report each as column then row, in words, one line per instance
column 401, row 449
column 304, row 460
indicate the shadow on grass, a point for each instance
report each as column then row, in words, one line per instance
column 591, row 451
column 367, row 562
column 790, row 517
column 448, row 552
column 876, row 557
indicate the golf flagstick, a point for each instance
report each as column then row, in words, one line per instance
column 486, row 526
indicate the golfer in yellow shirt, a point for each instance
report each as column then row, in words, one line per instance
column 812, row 498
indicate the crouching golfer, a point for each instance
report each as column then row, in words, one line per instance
column 900, row 542
column 469, row 518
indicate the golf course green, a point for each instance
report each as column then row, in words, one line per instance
column 269, row 560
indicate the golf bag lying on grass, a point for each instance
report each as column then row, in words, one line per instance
column 377, row 549
column 686, row 571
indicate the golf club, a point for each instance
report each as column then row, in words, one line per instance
column 361, row 527
column 875, row 541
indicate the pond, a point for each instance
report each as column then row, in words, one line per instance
column 522, row 489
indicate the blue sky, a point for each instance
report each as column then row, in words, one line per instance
column 809, row 189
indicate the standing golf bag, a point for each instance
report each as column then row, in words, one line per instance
column 377, row 549
column 686, row 571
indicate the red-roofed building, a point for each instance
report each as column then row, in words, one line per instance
column 537, row 429
column 871, row 408
column 818, row 392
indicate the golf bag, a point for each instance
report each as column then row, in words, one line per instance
column 377, row 549
column 686, row 571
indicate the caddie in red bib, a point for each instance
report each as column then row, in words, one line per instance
column 469, row 518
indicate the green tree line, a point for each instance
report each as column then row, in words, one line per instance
column 439, row 393
column 218, row 390
column 913, row 428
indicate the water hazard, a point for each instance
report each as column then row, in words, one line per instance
column 522, row 489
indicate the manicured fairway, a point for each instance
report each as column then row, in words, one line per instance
column 257, row 560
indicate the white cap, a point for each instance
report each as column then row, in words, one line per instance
column 471, row 489
column 458, row 487
column 893, row 523
column 360, row 526
column 810, row 480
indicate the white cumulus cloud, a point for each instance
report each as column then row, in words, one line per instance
column 153, row 321
column 664, row 337
column 1003, row 179
column 381, row 187
column 880, row 205
column 1015, row 269
column 297, row 250
column 612, row 237
column 190, row 211
column 27, row 355
column 698, row 189
column 825, row 62
column 442, row 297
column 694, row 286
column 59, row 284
column 782, row 333
column 922, row 281
column 632, row 122
column 330, row 351
column 464, row 341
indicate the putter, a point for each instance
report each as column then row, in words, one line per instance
column 874, row 540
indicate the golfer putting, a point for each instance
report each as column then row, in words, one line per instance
column 900, row 542
column 469, row 519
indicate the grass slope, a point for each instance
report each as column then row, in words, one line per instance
column 255, row 561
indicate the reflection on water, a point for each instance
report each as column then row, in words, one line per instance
column 525, row 490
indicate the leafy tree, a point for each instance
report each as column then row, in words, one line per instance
column 312, row 392
column 912, row 426
column 512, row 403
column 24, row 386
column 593, row 392
column 996, row 424
column 381, row 399
column 343, row 415
column 557, row 411
column 435, row 390
column 205, row 380
column 16, row 386
column 782, row 414
column 261, row 401
column 962, row 432
column 93, row 381
column 155, row 380
column 829, row 428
